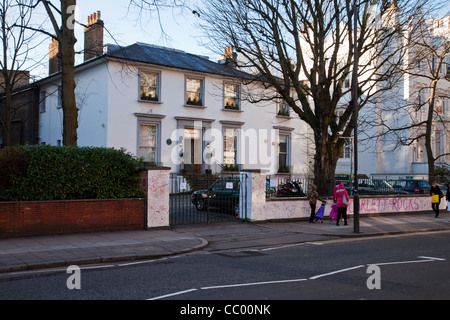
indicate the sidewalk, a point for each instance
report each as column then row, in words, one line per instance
column 18, row 254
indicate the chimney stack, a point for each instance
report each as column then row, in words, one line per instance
column 54, row 64
column 229, row 57
column 93, row 36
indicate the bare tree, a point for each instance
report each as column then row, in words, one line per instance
column 17, row 42
column 155, row 8
column 65, row 34
column 303, row 50
column 428, row 84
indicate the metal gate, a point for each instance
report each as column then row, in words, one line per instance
column 207, row 198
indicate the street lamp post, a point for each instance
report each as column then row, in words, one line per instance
column 355, row 120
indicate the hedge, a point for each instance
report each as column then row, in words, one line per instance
column 66, row 173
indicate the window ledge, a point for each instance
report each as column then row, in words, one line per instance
column 283, row 116
column 232, row 110
column 194, row 106
column 150, row 101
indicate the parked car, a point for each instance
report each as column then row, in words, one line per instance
column 223, row 194
column 375, row 187
column 385, row 187
column 411, row 186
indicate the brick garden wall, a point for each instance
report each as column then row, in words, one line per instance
column 19, row 219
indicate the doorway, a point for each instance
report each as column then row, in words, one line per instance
column 193, row 150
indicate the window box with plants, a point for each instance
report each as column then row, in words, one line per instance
column 231, row 167
column 231, row 106
column 283, row 169
column 194, row 102
column 283, row 112
column 149, row 97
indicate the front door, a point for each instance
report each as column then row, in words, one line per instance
column 193, row 155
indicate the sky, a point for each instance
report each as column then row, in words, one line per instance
column 126, row 26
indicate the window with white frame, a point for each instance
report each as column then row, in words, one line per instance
column 148, row 142
column 231, row 96
column 282, row 107
column 439, row 106
column 420, row 150
column 149, row 86
column 283, row 152
column 194, row 91
column 230, row 148
column 347, row 149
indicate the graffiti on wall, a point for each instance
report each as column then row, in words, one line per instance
column 384, row 205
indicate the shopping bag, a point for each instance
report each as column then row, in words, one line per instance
column 333, row 212
column 320, row 212
column 345, row 200
column 435, row 198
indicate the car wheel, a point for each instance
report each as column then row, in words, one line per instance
column 200, row 205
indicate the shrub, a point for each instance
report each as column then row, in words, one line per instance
column 13, row 163
column 66, row 173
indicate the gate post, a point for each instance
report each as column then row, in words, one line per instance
column 158, row 197
column 255, row 193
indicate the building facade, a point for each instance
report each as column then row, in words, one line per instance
column 175, row 109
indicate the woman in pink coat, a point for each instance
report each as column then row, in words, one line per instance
column 339, row 194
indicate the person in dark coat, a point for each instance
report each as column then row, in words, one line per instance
column 435, row 190
column 313, row 196
column 447, row 196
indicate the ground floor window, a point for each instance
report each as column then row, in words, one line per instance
column 148, row 147
column 283, row 153
column 229, row 148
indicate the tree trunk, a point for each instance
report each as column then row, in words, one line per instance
column 325, row 159
column 67, row 43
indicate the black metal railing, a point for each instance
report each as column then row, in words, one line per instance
column 207, row 198
column 292, row 186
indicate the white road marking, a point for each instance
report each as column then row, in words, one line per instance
column 172, row 294
column 335, row 272
column 288, row 246
column 251, row 284
column 423, row 259
column 431, row 258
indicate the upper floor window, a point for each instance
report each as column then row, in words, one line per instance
column 194, row 92
column 282, row 107
column 149, row 86
column 232, row 96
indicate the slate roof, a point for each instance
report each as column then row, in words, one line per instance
column 167, row 57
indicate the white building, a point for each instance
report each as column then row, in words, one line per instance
column 173, row 109
column 187, row 112
column 409, row 103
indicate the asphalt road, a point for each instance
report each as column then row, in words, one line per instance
column 407, row 267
